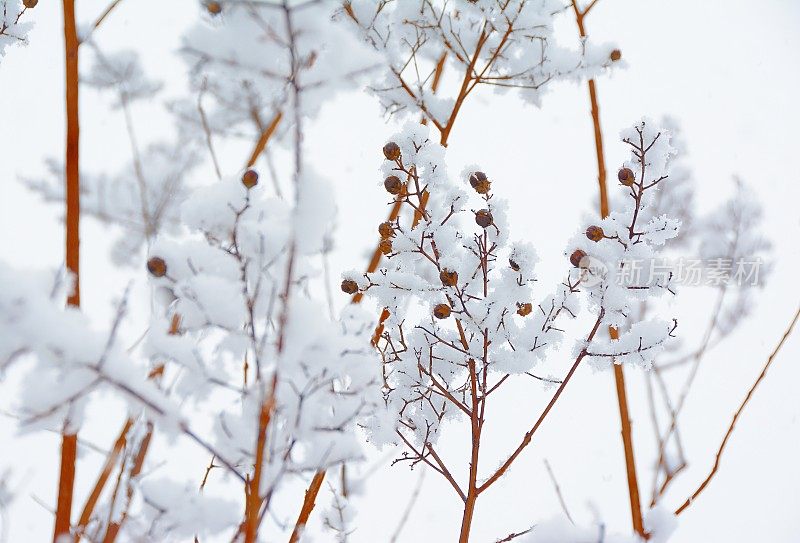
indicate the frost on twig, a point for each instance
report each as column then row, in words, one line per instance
column 504, row 45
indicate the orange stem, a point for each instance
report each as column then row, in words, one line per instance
column 102, row 479
column 308, row 505
column 69, row 441
column 138, row 463
column 261, row 144
column 253, row 503
column 119, row 445
column 619, row 376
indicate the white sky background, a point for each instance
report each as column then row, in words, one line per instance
column 727, row 70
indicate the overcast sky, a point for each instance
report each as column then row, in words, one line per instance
column 726, row 69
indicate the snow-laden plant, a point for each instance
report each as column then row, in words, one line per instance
column 234, row 320
column 475, row 318
column 722, row 251
column 290, row 385
column 501, row 44
column 65, row 364
column 238, row 65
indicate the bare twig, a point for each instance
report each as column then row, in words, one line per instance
column 736, row 415
column 106, row 12
column 409, row 507
column 529, row 435
column 558, row 490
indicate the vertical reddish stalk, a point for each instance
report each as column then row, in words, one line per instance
column 619, row 376
column 476, row 424
column 69, row 442
column 253, row 503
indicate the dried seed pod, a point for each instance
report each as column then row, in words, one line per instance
column 157, row 267
column 214, row 8
column 349, row 286
column 385, row 246
column 523, row 310
column 30, row 4
column 386, row 230
column 626, row 177
column 615, row 55
column 449, row 278
column 480, row 182
column 391, row 151
column 595, row 233
column 514, row 265
column 441, row 311
column 577, row 257
column 484, row 218
column 392, row 184
column 250, row 179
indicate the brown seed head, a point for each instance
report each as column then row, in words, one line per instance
column 157, row 267
column 349, row 286
column 484, row 218
column 385, row 246
column 391, row 151
column 615, row 55
column 514, row 265
column 30, row 4
column 392, row 184
column 523, row 310
column 626, row 177
column 441, row 311
column 595, row 233
column 576, row 257
column 214, row 8
column 448, row 278
column 480, row 182
column 386, row 230
column 250, row 179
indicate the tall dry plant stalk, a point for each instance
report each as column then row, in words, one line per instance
column 619, row 375
column 69, row 439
